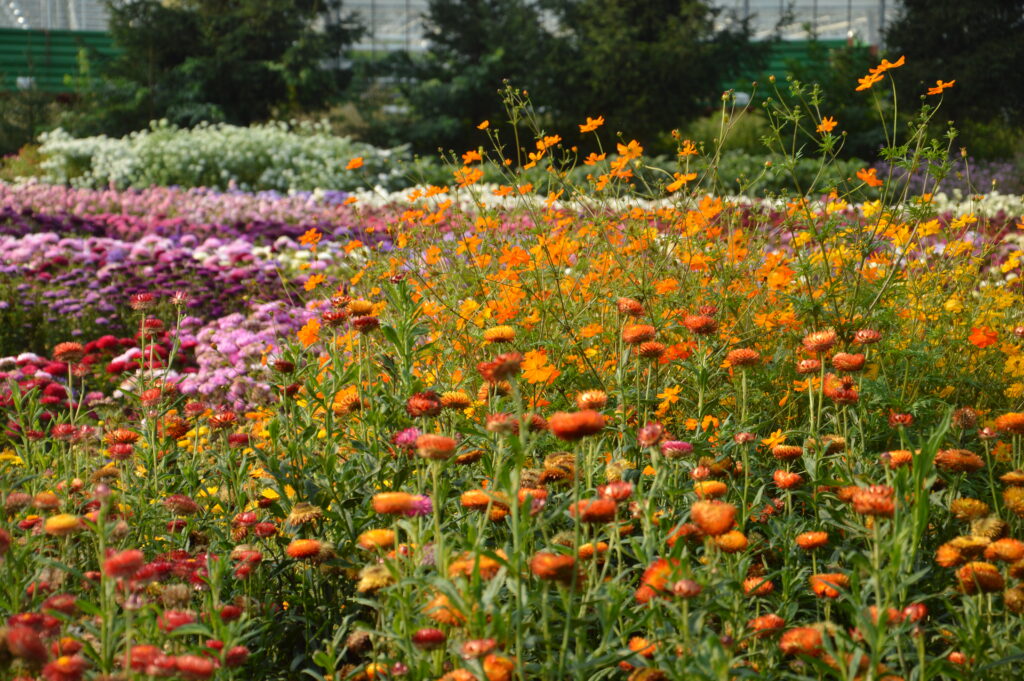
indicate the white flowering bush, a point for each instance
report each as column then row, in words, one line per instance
column 276, row 156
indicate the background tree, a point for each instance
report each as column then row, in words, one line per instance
column 218, row 60
column 475, row 45
column 980, row 45
column 645, row 65
column 649, row 66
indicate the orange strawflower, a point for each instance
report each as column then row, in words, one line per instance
column 827, row 585
column 1012, row 422
column 575, row 425
column 553, row 567
column 713, row 517
column 809, row 541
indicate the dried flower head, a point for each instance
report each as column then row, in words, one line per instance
column 820, row 342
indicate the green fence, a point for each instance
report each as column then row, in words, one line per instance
column 46, row 56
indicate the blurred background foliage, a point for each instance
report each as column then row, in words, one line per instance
column 649, row 67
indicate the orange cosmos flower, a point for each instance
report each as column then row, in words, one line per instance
column 868, row 81
column 592, row 124
column 886, row 65
column 827, row 124
column 869, row 176
column 309, row 333
column 355, row 163
column 982, row 337
column 940, row 86
column 680, row 181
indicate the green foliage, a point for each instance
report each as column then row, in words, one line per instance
column 746, row 128
column 645, row 66
column 26, row 163
column 23, row 115
column 475, row 46
column 835, row 73
column 234, row 61
column 978, row 44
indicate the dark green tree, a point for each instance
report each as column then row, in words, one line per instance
column 980, row 44
column 219, row 60
column 475, row 45
column 649, row 66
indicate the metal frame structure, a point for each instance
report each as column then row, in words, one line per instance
column 397, row 25
column 52, row 15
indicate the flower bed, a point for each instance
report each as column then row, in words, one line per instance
column 664, row 435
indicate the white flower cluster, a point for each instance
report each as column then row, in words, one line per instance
column 275, row 156
column 483, row 196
